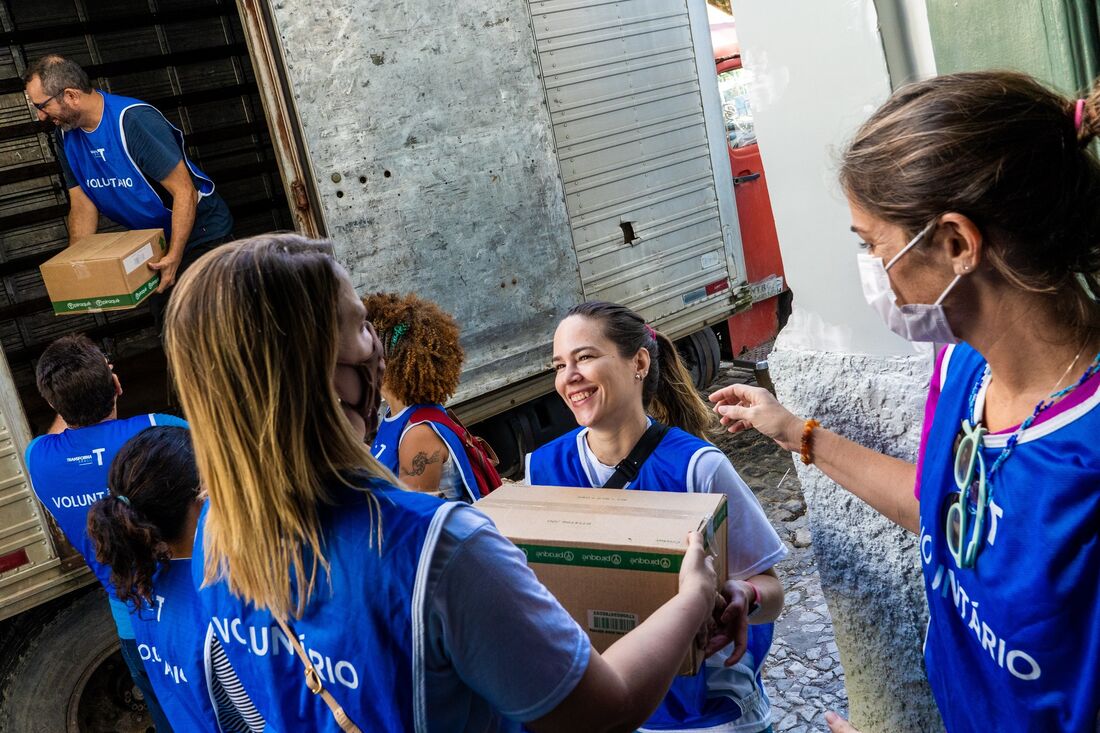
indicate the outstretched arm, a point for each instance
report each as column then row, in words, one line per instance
column 884, row 482
column 515, row 646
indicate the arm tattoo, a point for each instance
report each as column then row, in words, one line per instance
column 420, row 463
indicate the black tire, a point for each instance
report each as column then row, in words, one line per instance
column 702, row 356
column 67, row 675
column 520, row 430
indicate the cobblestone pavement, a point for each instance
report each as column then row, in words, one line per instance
column 803, row 675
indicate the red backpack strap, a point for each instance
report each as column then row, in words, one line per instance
column 445, row 418
column 432, row 414
column 480, row 454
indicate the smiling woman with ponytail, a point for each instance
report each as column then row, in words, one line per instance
column 143, row 530
column 636, row 405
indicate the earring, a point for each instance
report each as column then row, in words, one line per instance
column 638, row 376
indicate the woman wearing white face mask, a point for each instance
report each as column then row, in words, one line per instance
column 978, row 202
column 912, row 321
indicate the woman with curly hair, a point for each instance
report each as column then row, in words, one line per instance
column 423, row 364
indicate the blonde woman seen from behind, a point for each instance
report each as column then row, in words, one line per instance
column 305, row 526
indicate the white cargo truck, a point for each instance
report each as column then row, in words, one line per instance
column 506, row 158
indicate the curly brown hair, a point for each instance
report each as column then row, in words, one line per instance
column 423, row 354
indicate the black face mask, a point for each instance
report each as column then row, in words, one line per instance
column 359, row 388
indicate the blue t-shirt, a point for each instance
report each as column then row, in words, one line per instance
column 497, row 649
column 153, row 148
column 68, row 473
column 500, row 649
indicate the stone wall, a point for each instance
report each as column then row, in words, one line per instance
column 870, row 569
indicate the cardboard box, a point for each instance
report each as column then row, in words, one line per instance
column 611, row 557
column 104, row 272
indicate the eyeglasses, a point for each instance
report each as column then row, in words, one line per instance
column 964, row 532
column 42, row 107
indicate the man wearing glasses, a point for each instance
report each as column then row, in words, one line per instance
column 122, row 158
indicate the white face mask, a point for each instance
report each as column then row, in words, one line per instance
column 914, row 321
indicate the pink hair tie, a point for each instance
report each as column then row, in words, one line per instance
column 651, row 332
column 1079, row 115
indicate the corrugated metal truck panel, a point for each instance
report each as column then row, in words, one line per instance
column 498, row 188
column 623, row 89
column 30, row 569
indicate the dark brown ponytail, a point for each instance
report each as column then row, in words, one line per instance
column 153, row 484
column 668, row 392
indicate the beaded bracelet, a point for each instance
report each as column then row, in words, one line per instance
column 807, row 446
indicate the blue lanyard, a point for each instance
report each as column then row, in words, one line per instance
column 1039, row 408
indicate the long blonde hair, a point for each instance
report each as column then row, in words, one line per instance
column 251, row 334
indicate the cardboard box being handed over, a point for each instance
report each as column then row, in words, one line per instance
column 611, row 557
column 104, row 272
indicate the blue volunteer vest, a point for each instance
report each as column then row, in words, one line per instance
column 715, row 695
column 108, row 175
column 68, row 473
column 171, row 638
column 1014, row 643
column 388, row 439
column 363, row 629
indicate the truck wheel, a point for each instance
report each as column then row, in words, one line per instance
column 702, row 356
column 67, row 674
column 517, row 432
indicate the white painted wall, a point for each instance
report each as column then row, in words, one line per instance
column 819, row 71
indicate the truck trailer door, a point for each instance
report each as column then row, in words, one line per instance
column 633, row 100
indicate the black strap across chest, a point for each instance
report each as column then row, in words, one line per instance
column 628, row 468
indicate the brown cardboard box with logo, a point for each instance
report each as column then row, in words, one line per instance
column 611, row 557
column 104, row 272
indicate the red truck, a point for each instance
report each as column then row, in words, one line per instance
column 763, row 262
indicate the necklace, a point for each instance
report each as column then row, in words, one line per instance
column 1067, row 371
column 1039, row 408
